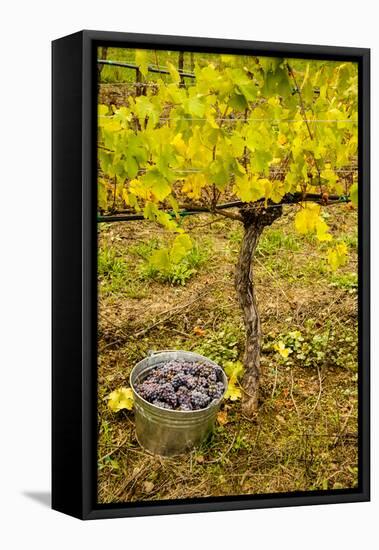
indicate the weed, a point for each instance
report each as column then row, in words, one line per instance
column 273, row 241
column 311, row 348
column 112, row 271
column 173, row 273
column 346, row 281
column 223, row 345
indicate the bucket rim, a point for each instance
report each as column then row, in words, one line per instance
column 213, row 404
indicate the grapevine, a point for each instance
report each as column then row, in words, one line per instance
column 254, row 132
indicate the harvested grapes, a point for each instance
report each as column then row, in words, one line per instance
column 182, row 385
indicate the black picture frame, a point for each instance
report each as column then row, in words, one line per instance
column 74, row 295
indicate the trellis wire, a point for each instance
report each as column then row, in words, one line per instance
column 274, row 120
column 117, row 217
column 150, row 68
column 273, row 171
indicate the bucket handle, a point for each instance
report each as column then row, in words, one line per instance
column 151, row 352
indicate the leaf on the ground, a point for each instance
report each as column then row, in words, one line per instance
column 222, row 418
column 148, row 486
column 198, row 331
column 234, row 369
column 119, row 399
column 233, row 393
column 282, row 350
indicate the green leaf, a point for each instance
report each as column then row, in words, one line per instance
column 131, row 167
column 145, row 108
column 238, row 102
column 196, row 106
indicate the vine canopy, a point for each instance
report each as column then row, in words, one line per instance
column 244, row 128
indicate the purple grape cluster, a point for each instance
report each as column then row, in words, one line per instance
column 182, row 385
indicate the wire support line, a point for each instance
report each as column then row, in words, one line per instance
column 273, row 171
column 150, row 68
column 150, row 84
column 251, row 119
column 275, row 120
column 289, row 199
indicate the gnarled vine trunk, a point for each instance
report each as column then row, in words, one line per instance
column 255, row 220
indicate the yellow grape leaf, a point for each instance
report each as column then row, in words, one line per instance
column 142, row 61
column 179, row 144
column 308, row 220
column 166, row 220
column 138, row 189
column 249, row 189
column 119, row 399
column 234, row 369
column 160, row 259
column 157, row 184
column 102, row 110
column 193, row 185
column 173, row 73
column 180, row 248
column 232, row 393
column 177, row 253
column 109, row 123
column 331, row 178
column 150, row 211
column 282, row 350
column 354, row 194
column 102, row 195
column 185, row 241
column 337, row 256
column 322, row 230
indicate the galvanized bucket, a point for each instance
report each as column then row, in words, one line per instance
column 168, row 432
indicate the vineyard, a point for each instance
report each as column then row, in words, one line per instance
column 228, row 226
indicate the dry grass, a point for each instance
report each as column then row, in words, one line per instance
column 305, row 435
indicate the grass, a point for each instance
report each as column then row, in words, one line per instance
column 305, row 434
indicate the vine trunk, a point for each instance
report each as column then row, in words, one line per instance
column 254, row 221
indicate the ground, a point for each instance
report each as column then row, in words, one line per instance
column 304, row 436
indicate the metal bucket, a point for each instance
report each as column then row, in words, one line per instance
column 168, row 432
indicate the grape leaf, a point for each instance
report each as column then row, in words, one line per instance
column 119, row 399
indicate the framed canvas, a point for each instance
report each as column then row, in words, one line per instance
column 210, row 275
